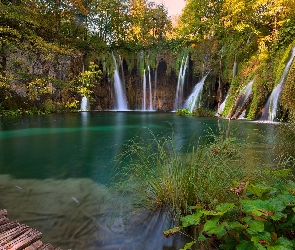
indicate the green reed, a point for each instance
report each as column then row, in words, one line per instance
column 158, row 174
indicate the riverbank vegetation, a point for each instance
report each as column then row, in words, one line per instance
column 218, row 191
column 160, row 174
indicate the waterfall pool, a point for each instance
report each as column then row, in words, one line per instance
column 55, row 173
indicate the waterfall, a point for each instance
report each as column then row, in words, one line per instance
column 121, row 102
column 246, row 92
column 155, row 88
column 150, row 90
column 84, row 104
column 271, row 106
column 222, row 105
column 180, row 83
column 195, row 98
column 144, row 91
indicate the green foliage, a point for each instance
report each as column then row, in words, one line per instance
column 88, row 80
column 264, row 218
column 203, row 112
column 183, row 112
column 160, row 175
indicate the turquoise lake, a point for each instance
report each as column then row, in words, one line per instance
column 55, row 173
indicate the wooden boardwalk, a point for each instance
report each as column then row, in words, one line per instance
column 16, row 236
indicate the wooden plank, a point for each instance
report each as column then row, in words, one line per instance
column 24, row 240
column 11, row 234
column 47, row 247
column 3, row 220
column 8, row 226
column 3, row 213
column 36, row 245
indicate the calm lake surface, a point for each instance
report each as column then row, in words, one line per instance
column 55, row 174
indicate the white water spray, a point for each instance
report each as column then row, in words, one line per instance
column 194, row 100
column 271, row 106
column 150, row 90
column 121, row 102
column 84, row 104
column 144, row 91
column 180, row 83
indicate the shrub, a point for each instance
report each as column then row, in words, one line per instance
column 183, row 112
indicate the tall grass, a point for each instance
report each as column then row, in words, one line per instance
column 157, row 174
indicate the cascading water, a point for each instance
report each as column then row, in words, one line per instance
column 121, row 102
column 246, row 91
column 150, row 90
column 222, row 105
column 195, row 98
column 84, row 104
column 271, row 106
column 155, row 88
column 144, row 91
column 180, row 83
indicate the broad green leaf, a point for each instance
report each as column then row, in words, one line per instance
column 282, row 244
column 245, row 245
column 255, row 226
column 221, row 209
column 258, row 190
column 193, row 219
column 261, row 237
column 265, row 208
column 278, row 216
column 229, row 244
column 212, row 227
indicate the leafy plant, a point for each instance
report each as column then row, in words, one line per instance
column 264, row 218
column 183, row 112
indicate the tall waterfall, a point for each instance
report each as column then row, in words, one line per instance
column 121, row 102
column 150, row 90
column 144, row 91
column 180, row 83
column 84, row 104
column 155, row 88
column 271, row 106
column 196, row 96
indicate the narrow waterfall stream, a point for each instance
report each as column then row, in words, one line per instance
column 121, row 102
column 271, row 106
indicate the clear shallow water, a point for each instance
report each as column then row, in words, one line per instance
column 55, row 169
